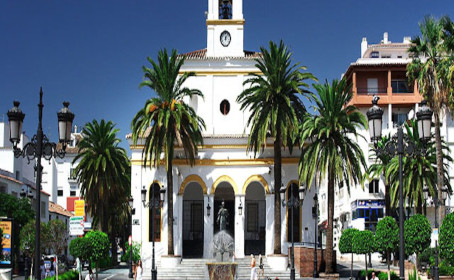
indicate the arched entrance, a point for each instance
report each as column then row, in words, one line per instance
column 255, row 219
column 193, row 220
column 224, row 193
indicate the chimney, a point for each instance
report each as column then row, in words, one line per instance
column 363, row 46
column 407, row 40
column 75, row 128
column 385, row 38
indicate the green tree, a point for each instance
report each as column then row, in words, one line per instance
column 346, row 244
column 135, row 252
column 273, row 99
column 27, row 239
column 20, row 211
column 104, row 174
column 387, row 238
column 379, row 167
column 446, row 239
column 99, row 247
column 166, row 120
column 363, row 243
column 419, row 170
column 58, row 240
column 333, row 151
column 80, row 248
column 429, row 70
column 417, row 232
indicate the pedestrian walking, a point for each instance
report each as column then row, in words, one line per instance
column 254, row 275
column 138, row 273
column 79, row 268
column 89, row 275
column 261, row 272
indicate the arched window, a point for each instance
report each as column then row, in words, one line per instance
column 154, row 214
column 293, row 225
column 225, row 107
column 225, row 9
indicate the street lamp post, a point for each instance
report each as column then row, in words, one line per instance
column 437, row 202
column 131, row 205
column 292, row 202
column 153, row 204
column 26, row 193
column 370, row 228
column 315, row 215
column 398, row 147
column 39, row 147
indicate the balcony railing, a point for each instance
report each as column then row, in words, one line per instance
column 371, row 90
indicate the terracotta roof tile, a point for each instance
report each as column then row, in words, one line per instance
column 202, row 55
column 58, row 209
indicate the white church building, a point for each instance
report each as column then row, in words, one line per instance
column 224, row 171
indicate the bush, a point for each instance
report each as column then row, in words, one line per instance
column 70, row 275
column 135, row 252
column 427, row 256
column 445, row 270
column 446, row 239
column 417, row 233
column 382, row 275
column 105, row 262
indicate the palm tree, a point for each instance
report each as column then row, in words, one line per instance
column 333, row 152
column 429, row 70
column 273, row 99
column 167, row 120
column 379, row 168
column 104, row 174
column 419, row 171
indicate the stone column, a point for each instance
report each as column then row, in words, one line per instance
column 239, row 226
column 269, row 226
column 208, row 227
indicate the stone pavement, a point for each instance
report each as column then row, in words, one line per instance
column 343, row 268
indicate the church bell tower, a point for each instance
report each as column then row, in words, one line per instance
column 225, row 27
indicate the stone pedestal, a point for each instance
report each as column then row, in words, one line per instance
column 304, row 260
column 222, row 270
column 170, row 261
column 277, row 262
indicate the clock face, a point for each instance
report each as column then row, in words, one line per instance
column 225, row 38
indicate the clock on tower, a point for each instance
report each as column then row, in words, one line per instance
column 225, row 26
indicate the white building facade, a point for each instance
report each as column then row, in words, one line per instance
column 381, row 71
column 224, row 171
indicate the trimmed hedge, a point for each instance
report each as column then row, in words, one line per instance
column 382, row 275
column 69, row 275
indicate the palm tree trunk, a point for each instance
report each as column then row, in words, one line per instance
column 418, row 208
column 277, row 185
column 170, row 209
column 387, row 200
column 329, row 231
column 441, row 209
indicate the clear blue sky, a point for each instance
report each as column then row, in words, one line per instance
column 90, row 52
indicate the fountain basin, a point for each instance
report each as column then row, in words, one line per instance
column 222, row 270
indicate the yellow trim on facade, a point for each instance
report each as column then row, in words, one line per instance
column 192, row 178
column 255, row 178
column 225, row 21
column 222, row 73
column 227, row 146
column 148, row 212
column 224, row 178
column 225, row 162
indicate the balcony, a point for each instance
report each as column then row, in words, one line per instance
column 371, row 90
